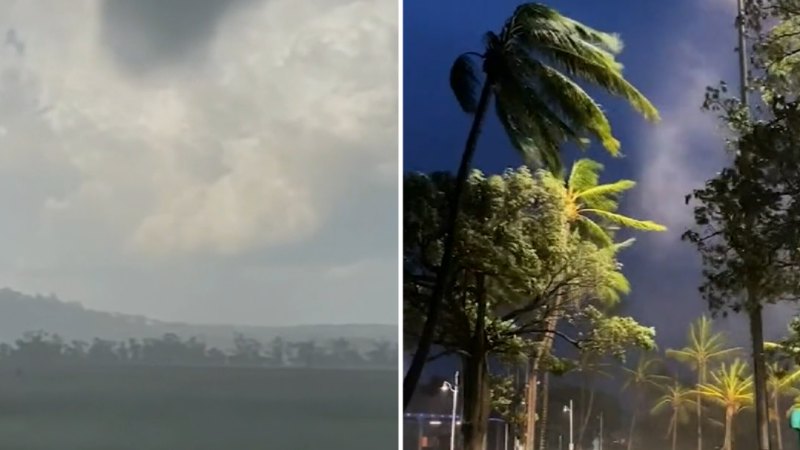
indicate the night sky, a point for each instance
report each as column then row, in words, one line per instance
column 673, row 50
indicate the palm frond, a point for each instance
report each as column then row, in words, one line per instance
column 574, row 102
column 605, row 190
column 604, row 74
column 531, row 17
column 580, row 51
column 465, row 83
column 528, row 137
column 584, row 175
column 644, row 225
column 593, row 232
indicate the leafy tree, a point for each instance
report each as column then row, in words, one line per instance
column 530, row 67
column 247, row 351
column 732, row 389
column 747, row 220
column 514, row 260
column 747, row 216
column 383, row 353
column 278, row 351
column 679, row 400
column 703, row 348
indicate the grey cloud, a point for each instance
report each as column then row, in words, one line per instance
column 171, row 195
column 146, row 34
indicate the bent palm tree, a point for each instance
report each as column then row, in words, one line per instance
column 530, row 68
column 732, row 389
column 592, row 207
column 704, row 347
column 591, row 210
column 679, row 400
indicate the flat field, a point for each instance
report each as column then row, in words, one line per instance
column 181, row 408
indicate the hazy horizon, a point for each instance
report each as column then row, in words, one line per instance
column 68, row 301
column 204, row 162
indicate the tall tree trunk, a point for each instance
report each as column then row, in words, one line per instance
column 636, row 402
column 530, row 404
column 475, row 421
column 519, row 386
column 759, row 374
column 476, row 381
column 728, row 443
column 701, row 379
column 586, row 416
column 630, row 431
column 442, row 284
column 776, row 403
column 545, row 409
column 674, row 428
column 546, row 345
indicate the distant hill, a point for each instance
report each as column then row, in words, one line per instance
column 20, row 313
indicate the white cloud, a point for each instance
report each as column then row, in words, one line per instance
column 686, row 148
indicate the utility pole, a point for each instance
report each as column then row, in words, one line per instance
column 740, row 25
column 759, row 371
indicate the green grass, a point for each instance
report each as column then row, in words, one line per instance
column 148, row 408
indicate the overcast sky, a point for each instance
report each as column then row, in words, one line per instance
column 202, row 160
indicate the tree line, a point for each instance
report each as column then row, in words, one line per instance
column 41, row 349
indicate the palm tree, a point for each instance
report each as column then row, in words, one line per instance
column 530, row 68
column 590, row 366
column 641, row 378
column 732, row 389
column 591, row 209
column 779, row 383
column 679, row 399
column 704, row 347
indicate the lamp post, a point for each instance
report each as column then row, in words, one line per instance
column 446, row 386
column 571, row 440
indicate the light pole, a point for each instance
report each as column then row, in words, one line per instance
column 569, row 410
column 446, row 386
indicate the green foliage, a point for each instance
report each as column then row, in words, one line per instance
column 731, row 386
column 505, row 398
column 592, row 207
column 532, row 65
column 512, row 232
column 615, row 335
column 703, row 347
column 748, row 216
column 645, row 375
column 678, row 400
column 775, row 25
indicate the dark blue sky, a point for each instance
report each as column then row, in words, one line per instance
column 673, row 50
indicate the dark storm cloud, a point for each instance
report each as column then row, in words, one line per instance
column 143, row 35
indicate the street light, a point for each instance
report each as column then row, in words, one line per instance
column 446, row 386
column 569, row 410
